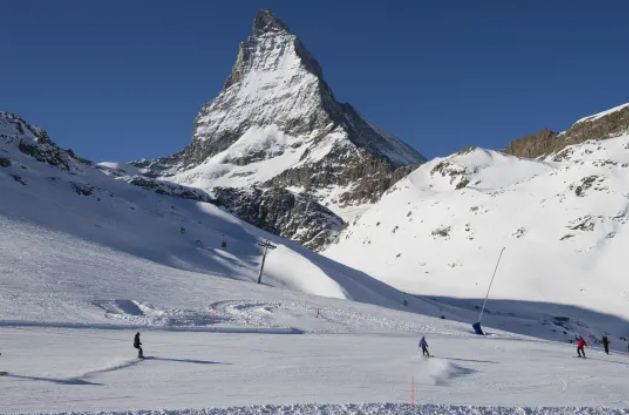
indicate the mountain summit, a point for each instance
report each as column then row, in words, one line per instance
column 277, row 82
column 276, row 127
column 265, row 21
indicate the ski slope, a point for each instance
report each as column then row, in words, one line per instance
column 90, row 370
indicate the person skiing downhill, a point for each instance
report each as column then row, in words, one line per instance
column 606, row 344
column 424, row 346
column 138, row 345
column 581, row 347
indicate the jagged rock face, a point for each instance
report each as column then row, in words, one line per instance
column 34, row 142
column 275, row 124
column 367, row 177
column 294, row 216
column 611, row 123
column 276, row 81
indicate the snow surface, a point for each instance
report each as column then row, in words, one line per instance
column 379, row 409
column 77, row 370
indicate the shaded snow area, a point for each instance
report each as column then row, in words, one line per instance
column 92, row 370
column 563, row 220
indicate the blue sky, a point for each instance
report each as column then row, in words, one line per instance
column 121, row 80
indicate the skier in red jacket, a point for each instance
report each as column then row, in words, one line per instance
column 581, row 346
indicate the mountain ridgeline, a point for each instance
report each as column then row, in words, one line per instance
column 275, row 136
column 608, row 124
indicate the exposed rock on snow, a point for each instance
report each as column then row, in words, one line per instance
column 294, row 216
column 607, row 124
column 34, row 142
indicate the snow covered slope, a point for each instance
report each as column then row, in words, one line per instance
column 276, row 124
column 79, row 246
column 563, row 219
column 71, row 371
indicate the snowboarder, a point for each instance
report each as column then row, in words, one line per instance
column 606, row 344
column 580, row 346
column 424, row 345
column 138, row 345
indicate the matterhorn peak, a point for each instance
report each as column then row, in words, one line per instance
column 276, row 132
column 266, row 22
column 276, row 92
column 271, row 48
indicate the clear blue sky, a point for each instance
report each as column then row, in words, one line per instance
column 120, row 80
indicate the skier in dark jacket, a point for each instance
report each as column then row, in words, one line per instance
column 581, row 347
column 138, row 345
column 424, row 346
column 606, row 344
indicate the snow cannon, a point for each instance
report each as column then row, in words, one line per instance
column 478, row 329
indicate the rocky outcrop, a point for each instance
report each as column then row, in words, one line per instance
column 170, row 189
column 612, row 123
column 365, row 176
column 279, row 211
column 35, row 142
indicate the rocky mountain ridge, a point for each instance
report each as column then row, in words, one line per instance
column 276, row 127
column 607, row 124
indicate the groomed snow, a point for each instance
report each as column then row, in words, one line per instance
column 94, row 370
column 374, row 409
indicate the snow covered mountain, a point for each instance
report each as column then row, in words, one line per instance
column 275, row 134
column 562, row 217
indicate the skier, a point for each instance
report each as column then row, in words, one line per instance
column 606, row 344
column 138, row 345
column 424, row 345
column 580, row 346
